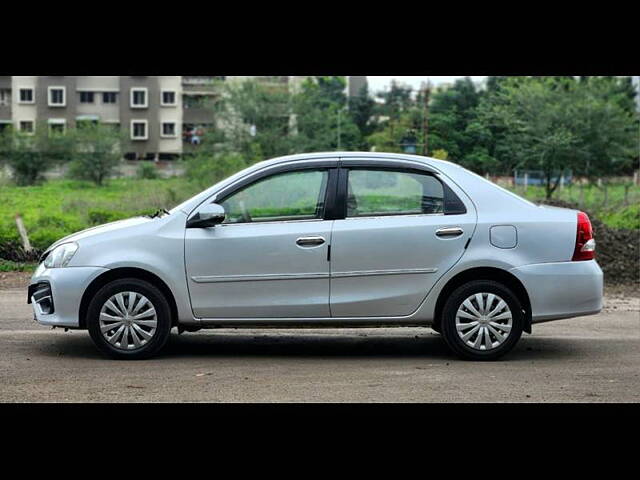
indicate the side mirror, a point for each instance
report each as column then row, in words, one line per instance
column 208, row 216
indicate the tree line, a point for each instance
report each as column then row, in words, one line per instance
column 587, row 125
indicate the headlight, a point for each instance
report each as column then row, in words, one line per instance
column 61, row 255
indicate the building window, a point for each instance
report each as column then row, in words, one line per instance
column 57, row 125
column 139, row 130
column 5, row 97
column 26, row 95
column 109, row 97
column 57, row 96
column 168, row 98
column 27, row 126
column 139, row 98
column 169, row 129
column 87, row 97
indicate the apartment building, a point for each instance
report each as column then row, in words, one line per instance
column 147, row 109
column 158, row 115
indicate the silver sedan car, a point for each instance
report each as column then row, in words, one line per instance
column 327, row 240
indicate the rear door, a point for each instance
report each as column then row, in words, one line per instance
column 402, row 229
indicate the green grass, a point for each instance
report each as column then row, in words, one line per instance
column 60, row 207
column 8, row 266
column 616, row 212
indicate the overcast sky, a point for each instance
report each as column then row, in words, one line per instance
column 379, row 83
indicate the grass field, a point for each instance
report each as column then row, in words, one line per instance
column 614, row 209
column 61, row 207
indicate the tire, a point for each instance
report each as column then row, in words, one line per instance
column 495, row 333
column 144, row 338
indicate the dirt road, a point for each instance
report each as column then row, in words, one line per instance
column 591, row 359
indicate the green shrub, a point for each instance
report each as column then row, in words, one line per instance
column 99, row 216
column 206, row 169
column 628, row 218
column 147, row 171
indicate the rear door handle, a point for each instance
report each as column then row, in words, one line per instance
column 310, row 241
column 449, row 232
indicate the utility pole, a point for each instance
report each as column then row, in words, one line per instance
column 339, row 133
column 425, row 118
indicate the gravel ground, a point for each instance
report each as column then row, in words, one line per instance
column 590, row 359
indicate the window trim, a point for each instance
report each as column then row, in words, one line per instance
column 175, row 130
column 329, row 196
column 33, row 96
column 146, row 130
column 175, row 97
column 146, row 97
column 50, row 88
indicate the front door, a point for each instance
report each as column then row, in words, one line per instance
column 270, row 256
column 395, row 242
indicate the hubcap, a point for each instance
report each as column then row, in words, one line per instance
column 484, row 321
column 128, row 320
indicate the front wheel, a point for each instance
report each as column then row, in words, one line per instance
column 129, row 319
column 482, row 320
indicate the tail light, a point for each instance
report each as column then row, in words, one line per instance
column 585, row 243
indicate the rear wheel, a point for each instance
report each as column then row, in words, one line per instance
column 129, row 319
column 482, row 320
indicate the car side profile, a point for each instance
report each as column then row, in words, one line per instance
column 327, row 240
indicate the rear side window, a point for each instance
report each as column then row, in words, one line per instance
column 387, row 192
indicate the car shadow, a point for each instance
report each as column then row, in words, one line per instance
column 303, row 344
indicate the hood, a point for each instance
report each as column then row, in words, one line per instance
column 107, row 227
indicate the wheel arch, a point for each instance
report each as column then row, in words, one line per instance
column 485, row 273
column 125, row 272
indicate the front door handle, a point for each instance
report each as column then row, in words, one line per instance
column 310, row 241
column 449, row 232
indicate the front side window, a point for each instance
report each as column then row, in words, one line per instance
column 56, row 97
column 374, row 193
column 284, row 197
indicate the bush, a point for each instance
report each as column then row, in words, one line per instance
column 97, row 153
column 627, row 218
column 206, row 169
column 147, row 171
column 99, row 216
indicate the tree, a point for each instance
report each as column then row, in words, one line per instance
column 452, row 112
column 322, row 121
column 96, row 153
column 553, row 124
column 257, row 120
column 31, row 155
column 361, row 109
column 397, row 100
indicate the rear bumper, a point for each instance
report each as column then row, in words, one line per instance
column 562, row 290
column 67, row 287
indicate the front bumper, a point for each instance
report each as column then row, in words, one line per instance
column 67, row 285
column 562, row 290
